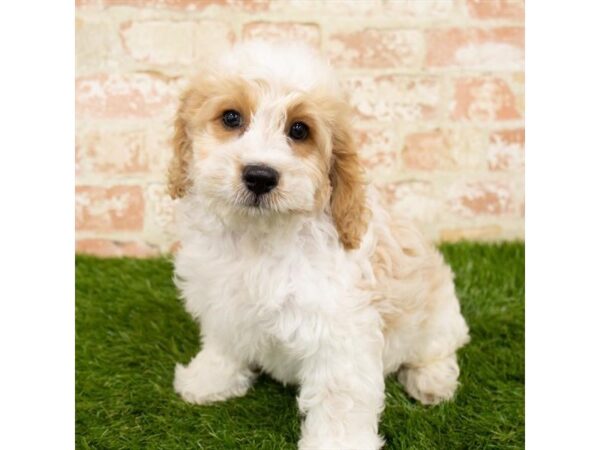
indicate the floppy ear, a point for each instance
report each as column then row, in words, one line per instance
column 348, row 203
column 178, row 180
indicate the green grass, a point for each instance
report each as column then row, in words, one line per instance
column 131, row 330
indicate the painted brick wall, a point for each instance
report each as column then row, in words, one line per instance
column 437, row 86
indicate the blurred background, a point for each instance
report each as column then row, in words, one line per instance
column 437, row 87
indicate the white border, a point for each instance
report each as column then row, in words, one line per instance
column 562, row 228
column 562, row 225
column 37, row 225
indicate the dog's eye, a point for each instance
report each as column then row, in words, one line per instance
column 232, row 119
column 298, row 131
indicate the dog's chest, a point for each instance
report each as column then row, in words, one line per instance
column 268, row 314
column 264, row 304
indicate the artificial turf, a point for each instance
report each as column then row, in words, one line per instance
column 131, row 329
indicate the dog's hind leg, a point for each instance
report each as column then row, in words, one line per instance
column 432, row 382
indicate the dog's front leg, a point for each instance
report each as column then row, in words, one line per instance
column 342, row 395
column 212, row 375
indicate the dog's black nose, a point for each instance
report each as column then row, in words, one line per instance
column 259, row 179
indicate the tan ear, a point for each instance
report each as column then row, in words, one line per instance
column 178, row 179
column 348, row 198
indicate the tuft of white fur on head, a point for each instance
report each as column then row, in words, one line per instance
column 292, row 64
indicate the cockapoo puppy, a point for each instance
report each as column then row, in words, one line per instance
column 289, row 262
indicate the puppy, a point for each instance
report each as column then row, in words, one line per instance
column 289, row 262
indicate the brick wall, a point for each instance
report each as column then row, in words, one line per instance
column 437, row 86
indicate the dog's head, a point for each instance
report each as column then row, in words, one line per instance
column 265, row 131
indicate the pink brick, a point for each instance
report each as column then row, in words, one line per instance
column 188, row 5
column 522, row 206
column 283, row 31
column 377, row 148
column 324, row 8
column 427, row 151
column 495, row 49
column 169, row 42
column 121, row 152
column 96, row 44
column 483, row 233
column 160, row 208
column 507, row 150
column 481, row 198
column 106, row 247
column 443, row 149
column 411, row 199
column 420, row 9
column 367, row 9
column 497, row 9
column 376, row 49
column 117, row 208
column 485, row 99
column 124, row 96
column 395, row 97
column 516, row 81
column 159, row 42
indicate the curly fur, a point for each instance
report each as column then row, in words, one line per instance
column 314, row 284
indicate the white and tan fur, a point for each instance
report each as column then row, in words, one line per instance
column 316, row 285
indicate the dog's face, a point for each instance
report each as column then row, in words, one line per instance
column 255, row 142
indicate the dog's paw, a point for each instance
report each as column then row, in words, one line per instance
column 432, row 383
column 200, row 387
column 358, row 441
